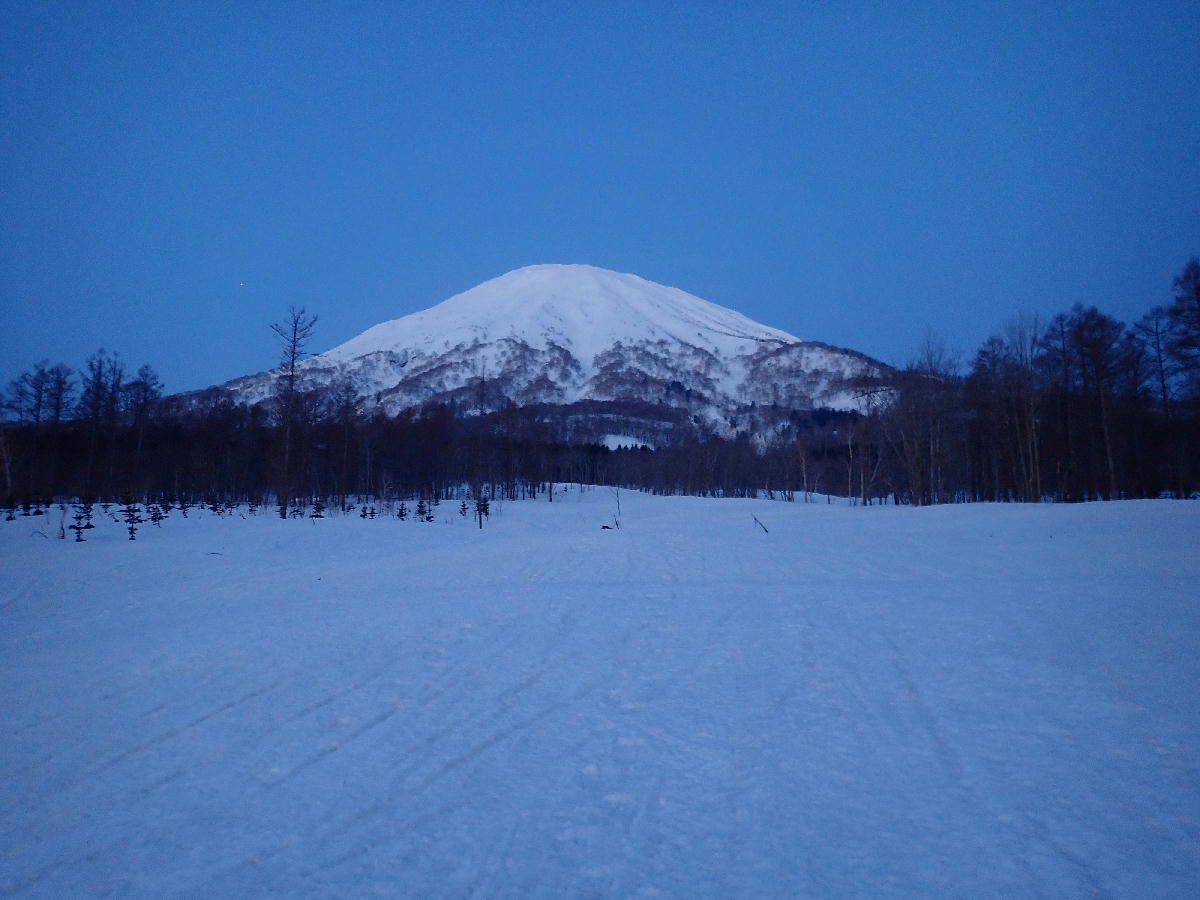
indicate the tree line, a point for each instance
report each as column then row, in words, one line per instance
column 1079, row 407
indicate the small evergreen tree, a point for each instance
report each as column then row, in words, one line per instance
column 422, row 510
column 79, row 518
column 464, row 509
column 132, row 514
column 482, row 509
column 402, row 512
column 154, row 510
column 318, row 509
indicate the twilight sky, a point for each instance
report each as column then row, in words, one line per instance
column 174, row 175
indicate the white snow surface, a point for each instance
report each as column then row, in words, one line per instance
column 582, row 308
column 976, row 700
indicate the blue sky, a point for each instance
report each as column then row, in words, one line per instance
column 173, row 176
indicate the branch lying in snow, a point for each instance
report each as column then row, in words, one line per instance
column 760, row 524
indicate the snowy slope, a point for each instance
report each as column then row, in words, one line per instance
column 582, row 308
column 956, row 701
column 560, row 334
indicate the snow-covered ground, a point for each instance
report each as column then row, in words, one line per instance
column 957, row 701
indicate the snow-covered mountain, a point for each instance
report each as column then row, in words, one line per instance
column 569, row 334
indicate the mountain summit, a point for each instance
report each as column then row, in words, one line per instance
column 582, row 308
column 570, row 338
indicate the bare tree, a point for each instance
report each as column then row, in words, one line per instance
column 341, row 409
column 1184, row 313
column 99, row 405
column 28, row 394
column 1003, row 401
column 1103, row 350
column 60, row 390
column 293, row 334
column 139, row 397
column 1154, row 330
column 921, row 423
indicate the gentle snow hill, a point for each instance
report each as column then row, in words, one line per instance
column 975, row 700
column 561, row 334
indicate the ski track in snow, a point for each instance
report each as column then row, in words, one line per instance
column 971, row 701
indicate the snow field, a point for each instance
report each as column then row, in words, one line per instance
column 971, row 700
